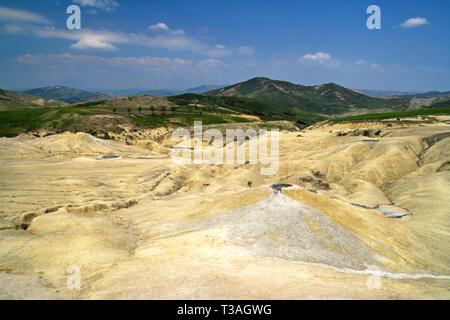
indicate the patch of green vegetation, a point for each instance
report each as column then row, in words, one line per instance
column 183, row 119
column 91, row 104
column 397, row 114
column 14, row 122
column 240, row 119
column 59, row 119
column 148, row 120
column 265, row 110
column 205, row 118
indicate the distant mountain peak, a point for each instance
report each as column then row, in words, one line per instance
column 13, row 100
column 69, row 95
column 327, row 98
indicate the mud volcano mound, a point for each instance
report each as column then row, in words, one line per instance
column 281, row 227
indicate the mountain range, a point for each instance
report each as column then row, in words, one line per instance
column 427, row 95
column 386, row 93
column 174, row 92
column 69, row 95
column 328, row 98
column 133, row 92
column 325, row 99
column 14, row 100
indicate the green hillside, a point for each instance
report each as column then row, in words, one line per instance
column 327, row 99
column 265, row 110
column 100, row 119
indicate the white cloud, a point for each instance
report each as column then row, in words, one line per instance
column 211, row 63
column 217, row 51
column 245, row 50
column 65, row 58
column 86, row 38
column 106, row 40
column 91, row 39
column 107, row 5
column 8, row 14
column 14, row 28
column 92, row 43
column 319, row 57
column 161, row 26
column 168, row 37
column 414, row 22
column 363, row 64
column 182, row 61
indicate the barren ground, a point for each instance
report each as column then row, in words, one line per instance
column 367, row 217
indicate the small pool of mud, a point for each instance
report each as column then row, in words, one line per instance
column 389, row 211
column 364, row 141
column 109, row 157
column 280, row 186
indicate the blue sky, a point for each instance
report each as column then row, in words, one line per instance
column 182, row 44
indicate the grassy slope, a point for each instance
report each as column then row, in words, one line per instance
column 14, row 122
column 265, row 110
column 59, row 119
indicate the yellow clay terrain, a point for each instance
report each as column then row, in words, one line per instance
column 366, row 217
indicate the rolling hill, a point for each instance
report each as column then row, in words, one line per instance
column 69, row 95
column 328, row 99
column 16, row 100
column 267, row 111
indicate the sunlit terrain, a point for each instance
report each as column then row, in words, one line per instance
column 364, row 203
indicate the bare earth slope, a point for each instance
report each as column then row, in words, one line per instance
column 365, row 218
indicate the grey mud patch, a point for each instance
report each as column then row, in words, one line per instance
column 281, row 227
column 109, row 157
